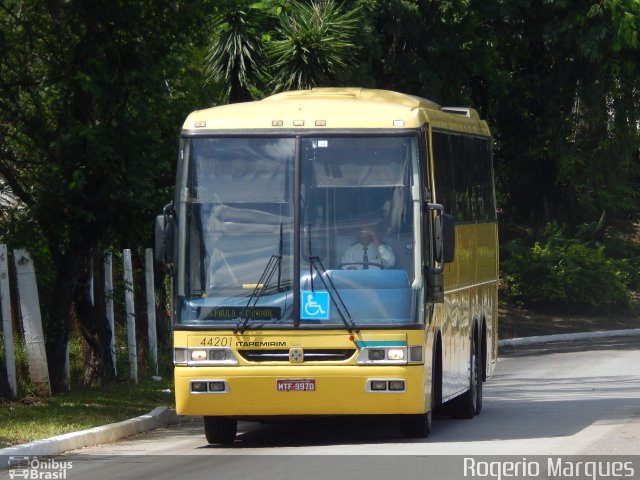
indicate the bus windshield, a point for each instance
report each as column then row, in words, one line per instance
column 356, row 232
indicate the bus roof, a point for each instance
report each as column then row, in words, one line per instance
column 336, row 108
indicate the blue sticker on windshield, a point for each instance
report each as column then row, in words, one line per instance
column 314, row 305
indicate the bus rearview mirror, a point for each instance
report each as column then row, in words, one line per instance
column 164, row 237
column 444, row 235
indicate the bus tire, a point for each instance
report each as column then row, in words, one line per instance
column 482, row 371
column 415, row 426
column 469, row 403
column 220, row 429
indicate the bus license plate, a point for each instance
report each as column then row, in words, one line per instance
column 296, row 385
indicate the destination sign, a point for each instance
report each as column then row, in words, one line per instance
column 252, row 313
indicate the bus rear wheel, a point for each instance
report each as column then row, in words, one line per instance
column 415, row 426
column 469, row 404
column 220, row 429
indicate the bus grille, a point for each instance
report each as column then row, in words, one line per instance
column 312, row 355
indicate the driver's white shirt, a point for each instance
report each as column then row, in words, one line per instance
column 382, row 255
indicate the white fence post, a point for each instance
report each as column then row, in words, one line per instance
column 151, row 307
column 108, row 303
column 32, row 321
column 7, row 325
column 131, row 316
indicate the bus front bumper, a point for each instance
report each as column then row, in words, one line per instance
column 300, row 390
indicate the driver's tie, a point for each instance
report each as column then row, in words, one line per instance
column 365, row 259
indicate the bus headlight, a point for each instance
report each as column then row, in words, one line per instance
column 199, row 355
column 377, row 354
column 219, row 355
column 382, row 356
column 195, row 357
column 395, row 354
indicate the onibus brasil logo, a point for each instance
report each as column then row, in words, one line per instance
column 38, row 469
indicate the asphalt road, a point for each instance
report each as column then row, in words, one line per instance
column 580, row 398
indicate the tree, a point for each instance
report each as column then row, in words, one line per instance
column 557, row 82
column 565, row 107
column 312, row 46
column 234, row 55
column 85, row 108
column 274, row 46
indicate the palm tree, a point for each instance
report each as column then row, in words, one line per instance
column 314, row 43
column 235, row 55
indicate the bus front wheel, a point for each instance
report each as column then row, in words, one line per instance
column 415, row 426
column 220, row 429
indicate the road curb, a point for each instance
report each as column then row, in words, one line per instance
column 567, row 337
column 158, row 417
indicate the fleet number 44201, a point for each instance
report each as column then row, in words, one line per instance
column 216, row 342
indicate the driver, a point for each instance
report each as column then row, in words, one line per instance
column 369, row 252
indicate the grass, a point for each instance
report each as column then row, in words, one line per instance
column 35, row 418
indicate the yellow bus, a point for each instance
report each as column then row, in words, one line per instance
column 333, row 251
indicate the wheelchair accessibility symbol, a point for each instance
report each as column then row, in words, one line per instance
column 314, row 305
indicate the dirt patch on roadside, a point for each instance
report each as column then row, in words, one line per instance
column 515, row 322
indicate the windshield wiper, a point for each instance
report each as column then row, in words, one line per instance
column 334, row 294
column 274, row 264
column 316, row 264
column 258, row 291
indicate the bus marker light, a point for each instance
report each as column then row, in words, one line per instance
column 321, row 123
column 396, row 385
column 277, row 123
column 378, row 385
column 179, row 355
column 415, row 353
column 398, row 123
column 217, row 386
column 198, row 387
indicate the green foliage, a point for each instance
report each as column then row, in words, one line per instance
column 259, row 48
column 85, row 108
column 313, row 45
column 559, row 273
column 567, row 118
column 89, row 114
column 625, row 248
column 234, row 57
